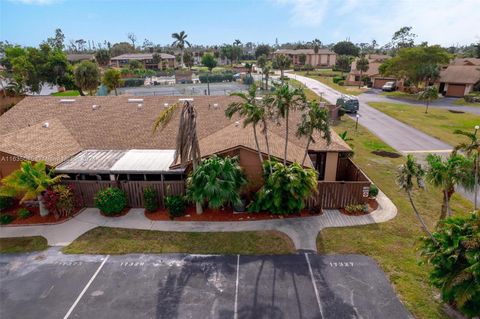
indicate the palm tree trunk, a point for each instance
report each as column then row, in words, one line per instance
column 419, row 217
column 360, row 84
column 43, row 210
column 444, row 213
column 256, row 144
column 182, row 65
column 208, row 82
column 306, row 150
column 116, row 93
column 198, row 205
column 286, row 137
column 266, row 82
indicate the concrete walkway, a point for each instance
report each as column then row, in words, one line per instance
column 302, row 231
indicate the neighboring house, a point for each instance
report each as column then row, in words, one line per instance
column 167, row 60
column 459, row 77
column 323, row 58
column 79, row 57
column 373, row 73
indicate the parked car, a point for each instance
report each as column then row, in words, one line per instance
column 348, row 103
column 389, row 86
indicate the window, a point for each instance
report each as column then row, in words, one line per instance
column 173, row 177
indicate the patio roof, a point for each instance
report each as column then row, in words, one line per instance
column 145, row 162
column 91, row 161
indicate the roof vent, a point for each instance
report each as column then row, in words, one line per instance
column 215, row 105
column 165, row 104
column 95, row 107
column 45, row 125
column 135, row 100
column 186, row 100
column 67, row 101
column 139, row 105
column 237, row 123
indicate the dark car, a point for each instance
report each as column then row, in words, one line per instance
column 348, row 103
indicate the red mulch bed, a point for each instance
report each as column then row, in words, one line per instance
column 372, row 206
column 35, row 218
column 220, row 215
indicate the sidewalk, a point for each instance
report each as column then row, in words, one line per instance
column 302, row 231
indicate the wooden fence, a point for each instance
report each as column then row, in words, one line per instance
column 86, row 190
column 332, row 195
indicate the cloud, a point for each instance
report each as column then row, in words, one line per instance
column 36, row 2
column 305, row 12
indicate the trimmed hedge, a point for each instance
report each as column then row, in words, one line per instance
column 150, row 199
column 111, row 200
column 215, row 78
column 133, row 82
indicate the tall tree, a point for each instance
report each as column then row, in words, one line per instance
column 209, row 61
column 57, row 42
column 180, row 42
column 262, row 49
column 187, row 148
column 362, row 65
column 112, row 79
column 262, row 62
column 133, row 38
column 343, row 63
column 346, row 48
column 315, row 119
column 102, row 57
column 281, row 62
column 87, row 77
column 317, row 44
column 403, row 38
column 121, row 48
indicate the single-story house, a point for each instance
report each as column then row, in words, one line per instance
column 459, row 77
column 79, row 57
column 374, row 62
column 109, row 140
column 323, row 57
column 166, row 60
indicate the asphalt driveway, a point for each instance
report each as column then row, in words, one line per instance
column 53, row 285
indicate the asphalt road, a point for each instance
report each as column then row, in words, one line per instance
column 53, row 285
column 398, row 135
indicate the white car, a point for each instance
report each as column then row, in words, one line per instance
column 389, row 86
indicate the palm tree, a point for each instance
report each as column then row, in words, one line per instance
column 112, row 79
column 362, row 65
column 266, row 72
column 180, row 42
column 314, row 119
column 30, row 181
column 455, row 170
column 209, row 61
column 283, row 100
column 429, row 94
column 471, row 148
column 406, row 175
column 262, row 62
column 187, row 147
column 281, row 62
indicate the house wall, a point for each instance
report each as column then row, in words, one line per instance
column 8, row 164
column 331, row 165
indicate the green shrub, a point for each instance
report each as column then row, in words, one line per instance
column 133, row 82
column 176, row 206
column 373, row 192
column 216, row 77
column 111, row 200
column 23, row 213
column 150, row 199
column 217, row 181
column 6, row 219
column 6, row 202
column 342, row 82
column 357, row 208
column 455, row 259
column 338, row 78
column 473, row 97
column 286, row 189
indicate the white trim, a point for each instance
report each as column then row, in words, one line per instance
column 235, row 307
column 314, row 286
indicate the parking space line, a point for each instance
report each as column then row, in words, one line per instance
column 314, row 285
column 235, row 313
column 86, row 287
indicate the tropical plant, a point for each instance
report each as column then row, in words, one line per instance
column 60, row 200
column 180, row 42
column 23, row 213
column 30, row 181
column 455, row 259
column 217, row 181
column 428, row 95
column 6, row 202
column 281, row 62
column 102, row 57
column 407, row 174
column 314, row 119
column 373, row 191
column 87, row 77
column 111, row 200
column 209, row 61
column 446, row 174
column 112, row 79
column 283, row 100
column 6, row 219
column 150, row 199
column 176, row 206
column 362, row 65
column 472, row 149
column 187, row 148
column 262, row 63
column 285, row 190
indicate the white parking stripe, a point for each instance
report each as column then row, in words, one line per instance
column 85, row 289
column 235, row 313
column 314, row 286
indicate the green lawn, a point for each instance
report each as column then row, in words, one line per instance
column 392, row 244
column 67, row 93
column 328, row 80
column 402, row 95
column 22, row 244
column 104, row 240
column 439, row 123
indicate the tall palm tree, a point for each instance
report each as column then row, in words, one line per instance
column 362, row 65
column 314, row 119
column 187, row 147
column 266, row 73
column 471, row 148
column 281, row 62
column 406, row 175
column 446, row 174
column 180, row 42
column 283, row 100
column 30, row 181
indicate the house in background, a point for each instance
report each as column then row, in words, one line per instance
column 79, row 57
column 459, row 77
column 373, row 73
column 323, row 58
column 166, row 60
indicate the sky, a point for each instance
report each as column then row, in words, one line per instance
column 209, row 22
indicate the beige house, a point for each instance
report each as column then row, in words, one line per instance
column 323, row 57
column 166, row 60
column 374, row 62
column 459, row 77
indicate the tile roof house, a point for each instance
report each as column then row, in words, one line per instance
column 323, row 57
column 77, row 133
column 166, row 60
column 374, row 62
column 459, row 77
column 78, row 57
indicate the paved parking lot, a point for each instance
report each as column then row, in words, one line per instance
column 53, row 285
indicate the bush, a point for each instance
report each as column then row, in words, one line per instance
column 216, row 77
column 23, row 213
column 133, row 82
column 357, row 208
column 6, row 219
column 306, row 67
column 286, row 189
column 176, row 206
column 373, row 192
column 6, row 202
column 338, row 78
column 473, row 97
column 150, row 199
column 341, row 83
column 111, row 200
column 60, row 200
column 455, row 258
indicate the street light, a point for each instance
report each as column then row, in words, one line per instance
column 356, row 122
